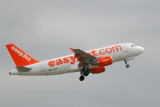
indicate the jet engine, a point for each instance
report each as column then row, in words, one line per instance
column 98, row 70
column 105, row 61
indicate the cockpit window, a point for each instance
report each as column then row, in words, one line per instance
column 133, row 45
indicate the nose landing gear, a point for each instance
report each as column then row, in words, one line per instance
column 127, row 65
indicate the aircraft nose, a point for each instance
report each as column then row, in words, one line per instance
column 141, row 49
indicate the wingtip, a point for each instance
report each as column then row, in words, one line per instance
column 72, row 49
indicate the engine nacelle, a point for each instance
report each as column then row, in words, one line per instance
column 105, row 61
column 98, row 70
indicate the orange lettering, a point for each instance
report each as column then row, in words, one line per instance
column 101, row 53
column 116, row 48
column 94, row 53
column 59, row 62
column 73, row 59
column 66, row 60
column 51, row 63
column 108, row 50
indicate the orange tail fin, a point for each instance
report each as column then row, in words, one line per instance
column 19, row 57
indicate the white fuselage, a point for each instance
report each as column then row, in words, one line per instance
column 67, row 64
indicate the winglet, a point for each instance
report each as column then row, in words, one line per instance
column 72, row 49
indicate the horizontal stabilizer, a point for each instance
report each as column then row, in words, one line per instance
column 22, row 69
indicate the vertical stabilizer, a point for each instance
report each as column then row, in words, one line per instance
column 20, row 57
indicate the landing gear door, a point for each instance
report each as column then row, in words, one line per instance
column 125, row 48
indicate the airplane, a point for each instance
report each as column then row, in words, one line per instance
column 85, row 62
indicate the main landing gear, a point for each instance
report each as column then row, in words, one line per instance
column 81, row 78
column 127, row 65
column 83, row 73
column 86, row 73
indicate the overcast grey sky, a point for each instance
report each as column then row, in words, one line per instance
column 48, row 28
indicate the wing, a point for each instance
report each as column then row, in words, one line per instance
column 84, row 57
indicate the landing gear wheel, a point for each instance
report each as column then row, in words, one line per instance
column 127, row 66
column 81, row 78
column 86, row 73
